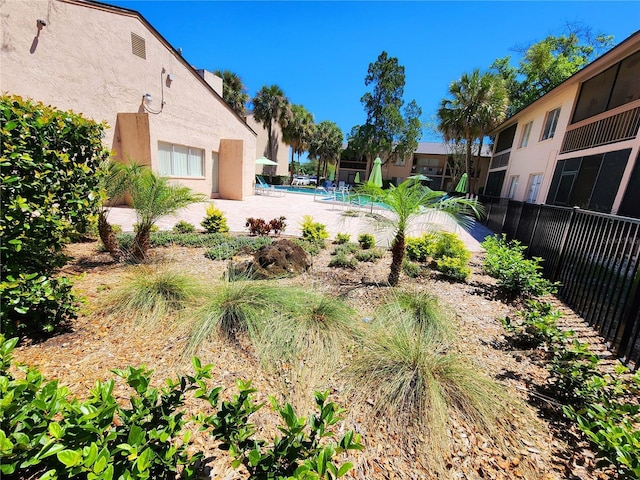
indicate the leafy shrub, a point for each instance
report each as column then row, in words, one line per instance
column 610, row 420
column 516, row 275
column 48, row 190
column 278, row 225
column 214, row 220
column 313, row 231
column 227, row 249
column 184, row 227
column 372, row 255
column 535, row 325
column 342, row 238
column 345, row 249
column 313, row 248
column 343, row 261
column 46, row 434
column 366, row 241
column 445, row 250
column 257, row 226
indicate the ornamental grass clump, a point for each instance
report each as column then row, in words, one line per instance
column 150, row 295
column 232, row 309
column 408, row 371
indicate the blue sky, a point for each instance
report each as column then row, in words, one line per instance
column 319, row 52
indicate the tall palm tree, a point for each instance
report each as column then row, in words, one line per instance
column 233, row 91
column 326, row 144
column 406, row 202
column 271, row 106
column 298, row 131
column 152, row 197
column 479, row 103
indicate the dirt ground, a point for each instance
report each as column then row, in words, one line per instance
column 99, row 343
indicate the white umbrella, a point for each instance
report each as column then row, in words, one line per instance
column 265, row 161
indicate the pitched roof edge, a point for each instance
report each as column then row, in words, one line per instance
column 133, row 13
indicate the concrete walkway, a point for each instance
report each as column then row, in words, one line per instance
column 294, row 207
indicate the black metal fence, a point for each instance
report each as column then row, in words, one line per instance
column 595, row 257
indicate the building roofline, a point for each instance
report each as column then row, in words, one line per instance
column 133, row 13
column 578, row 76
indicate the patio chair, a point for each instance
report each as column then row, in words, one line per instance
column 263, row 188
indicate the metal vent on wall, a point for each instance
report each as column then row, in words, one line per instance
column 138, row 46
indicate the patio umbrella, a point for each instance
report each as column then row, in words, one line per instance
column 375, row 178
column 332, row 176
column 265, row 161
column 461, row 187
column 357, row 179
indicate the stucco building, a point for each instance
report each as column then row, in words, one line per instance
column 578, row 145
column 111, row 65
column 431, row 159
column 281, row 149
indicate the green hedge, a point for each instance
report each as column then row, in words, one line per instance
column 48, row 189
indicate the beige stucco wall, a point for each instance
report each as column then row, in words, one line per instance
column 283, row 156
column 82, row 60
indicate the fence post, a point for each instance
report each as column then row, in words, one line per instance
column 563, row 242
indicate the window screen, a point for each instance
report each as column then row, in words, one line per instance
column 594, row 95
column 630, row 206
column 494, row 183
column 505, row 138
column 606, row 187
column 627, row 87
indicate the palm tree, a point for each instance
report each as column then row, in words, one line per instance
column 298, row 131
column 478, row 104
column 152, row 197
column 233, row 91
column 115, row 179
column 406, row 202
column 326, row 144
column 270, row 106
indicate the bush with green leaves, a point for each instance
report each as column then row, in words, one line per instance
column 372, row 255
column 313, row 231
column 342, row 260
column 184, row 227
column 411, row 269
column 48, row 191
column 445, row 252
column 309, row 246
column 536, row 324
column 214, row 220
column 46, row 434
column 342, row 238
column 366, row 241
column 518, row 277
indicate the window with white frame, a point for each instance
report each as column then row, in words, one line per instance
column 550, row 124
column 535, row 181
column 513, row 186
column 180, row 160
column 524, row 138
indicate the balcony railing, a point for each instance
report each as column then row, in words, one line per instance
column 616, row 127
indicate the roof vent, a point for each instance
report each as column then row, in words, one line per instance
column 138, row 46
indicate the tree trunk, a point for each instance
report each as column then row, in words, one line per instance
column 468, row 164
column 291, row 172
column 141, row 244
column 478, row 162
column 270, row 152
column 397, row 256
column 108, row 238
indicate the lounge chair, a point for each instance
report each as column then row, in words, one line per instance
column 263, row 188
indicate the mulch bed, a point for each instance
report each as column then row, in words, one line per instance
column 97, row 344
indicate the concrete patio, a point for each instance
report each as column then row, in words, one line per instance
column 294, row 207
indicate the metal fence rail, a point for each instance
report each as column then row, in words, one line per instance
column 595, row 257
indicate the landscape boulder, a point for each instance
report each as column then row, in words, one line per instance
column 283, row 258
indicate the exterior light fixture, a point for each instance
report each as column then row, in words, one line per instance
column 146, row 98
column 41, row 22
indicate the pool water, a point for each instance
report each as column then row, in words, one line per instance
column 323, row 195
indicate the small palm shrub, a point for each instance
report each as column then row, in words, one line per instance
column 516, row 275
column 153, row 229
column 150, row 295
column 184, row 227
column 313, row 231
column 342, row 238
column 366, row 241
column 214, row 220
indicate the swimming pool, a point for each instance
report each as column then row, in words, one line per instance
column 336, row 197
